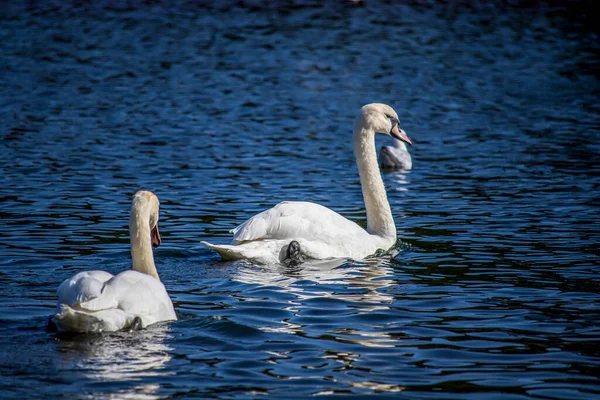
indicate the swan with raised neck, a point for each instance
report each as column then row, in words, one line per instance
column 318, row 231
column 375, row 118
column 97, row 301
column 143, row 232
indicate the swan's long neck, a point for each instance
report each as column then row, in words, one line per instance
column 399, row 144
column 380, row 221
column 141, row 242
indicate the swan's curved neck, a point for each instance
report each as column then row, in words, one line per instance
column 141, row 242
column 399, row 144
column 380, row 221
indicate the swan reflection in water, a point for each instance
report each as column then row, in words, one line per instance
column 364, row 275
column 363, row 285
column 398, row 181
column 360, row 283
column 120, row 356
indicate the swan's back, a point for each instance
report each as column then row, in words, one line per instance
column 297, row 220
column 395, row 157
column 150, row 299
column 95, row 301
column 82, row 287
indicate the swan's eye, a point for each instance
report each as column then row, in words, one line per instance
column 393, row 120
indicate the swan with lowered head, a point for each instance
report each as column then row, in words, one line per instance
column 316, row 232
column 96, row 301
column 396, row 156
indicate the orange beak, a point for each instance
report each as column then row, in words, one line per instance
column 400, row 134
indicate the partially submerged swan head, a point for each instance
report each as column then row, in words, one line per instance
column 143, row 229
column 383, row 119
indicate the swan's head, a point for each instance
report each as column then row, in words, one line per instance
column 383, row 119
column 145, row 207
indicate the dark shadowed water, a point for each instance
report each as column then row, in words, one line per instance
column 226, row 110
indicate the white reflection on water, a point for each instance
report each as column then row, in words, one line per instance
column 360, row 284
column 348, row 361
column 400, row 180
column 120, row 356
column 362, row 280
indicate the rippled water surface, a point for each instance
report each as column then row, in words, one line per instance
column 226, row 109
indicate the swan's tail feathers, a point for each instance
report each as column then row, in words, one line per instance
column 72, row 319
column 226, row 251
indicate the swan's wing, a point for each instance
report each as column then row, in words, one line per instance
column 295, row 221
column 150, row 297
column 136, row 294
column 405, row 159
column 82, row 287
column 259, row 251
column 96, row 301
column 394, row 157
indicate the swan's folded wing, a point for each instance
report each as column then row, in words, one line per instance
column 82, row 287
column 143, row 295
column 294, row 221
column 113, row 304
column 396, row 156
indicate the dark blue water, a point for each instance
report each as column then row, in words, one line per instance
column 225, row 109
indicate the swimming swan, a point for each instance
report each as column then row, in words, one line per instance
column 395, row 157
column 316, row 231
column 96, row 301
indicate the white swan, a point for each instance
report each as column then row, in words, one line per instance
column 320, row 232
column 396, row 156
column 96, row 301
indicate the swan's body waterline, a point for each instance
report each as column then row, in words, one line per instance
column 96, row 301
column 321, row 232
